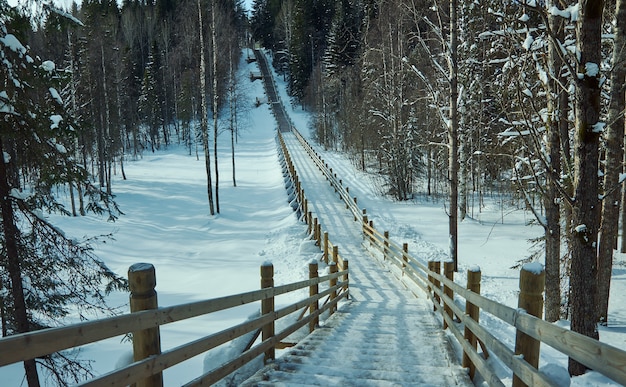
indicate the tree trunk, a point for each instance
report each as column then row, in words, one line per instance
column 215, row 103
column 586, row 209
column 553, row 173
column 614, row 157
column 205, row 112
column 453, row 139
column 11, row 235
column 233, row 112
column 463, row 173
column 106, row 162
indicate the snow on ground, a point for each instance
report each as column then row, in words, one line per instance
column 198, row 256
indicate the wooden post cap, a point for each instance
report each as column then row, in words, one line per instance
column 141, row 279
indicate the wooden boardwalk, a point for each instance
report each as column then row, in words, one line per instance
column 384, row 336
column 283, row 121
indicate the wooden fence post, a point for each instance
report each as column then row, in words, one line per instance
column 385, row 244
column 326, row 247
column 372, row 231
column 345, row 277
column 333, row 282
column 306, row 210
column 147, row 342
column 473, row 284
column 315, row 229
column 448, row 270
column 267, row 306
column 300, row 192
column 436, row 282
column 405, row 256
column 431, row 281
column 531, row 283
column 335, row 254
column 313, row 290
column 365, row 225
column 319, row 235
column 308, row 222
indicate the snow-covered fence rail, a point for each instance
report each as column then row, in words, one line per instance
column 531, row 330
column 144, row 325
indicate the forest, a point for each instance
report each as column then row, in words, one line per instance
column 455, row 100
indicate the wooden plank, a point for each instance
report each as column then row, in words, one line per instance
column 525, row 371
column 215, row 375
column 483, row 368
column 34, row 344
column 142, row 369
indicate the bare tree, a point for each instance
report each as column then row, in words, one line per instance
column 214, row 47
column 453, row 136
column 205, row 112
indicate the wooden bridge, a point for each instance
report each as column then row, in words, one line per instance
column 375, row 320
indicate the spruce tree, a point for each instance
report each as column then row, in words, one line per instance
column 44, row 275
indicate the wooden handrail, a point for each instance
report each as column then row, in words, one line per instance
column 601, row 357
column 29, row 345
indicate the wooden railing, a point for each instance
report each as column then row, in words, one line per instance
column 464, row 324
column 144, row 326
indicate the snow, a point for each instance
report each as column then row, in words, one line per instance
column 592, row 69
column 528, row 42
column 580, row 228
column 533, row 267
column 13, row 43
column 48, row 66
column 56, row 120
column 55, row 95
column 5, row 107
column 198, row 256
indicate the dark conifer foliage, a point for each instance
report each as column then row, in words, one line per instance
column 44, row 275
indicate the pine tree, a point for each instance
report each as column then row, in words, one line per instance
column 44, row 274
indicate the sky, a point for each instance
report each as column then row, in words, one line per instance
column 198, row 256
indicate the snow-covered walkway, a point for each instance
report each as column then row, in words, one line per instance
column 384, row 336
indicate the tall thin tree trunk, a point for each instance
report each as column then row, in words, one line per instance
column 215, row 103
column 11, row 234
column 463, row 173
column 106, row 162
column 586, row 209
column 233, row 112
column 551, row 202
column 205, row 112
column 453, row 138
column 74, row 107
column 614, row 158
